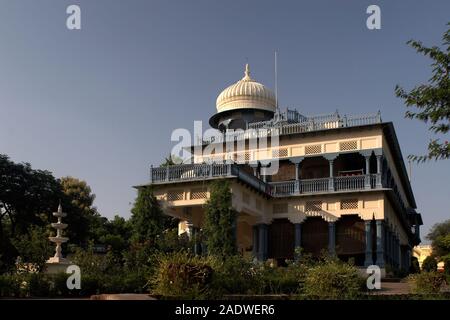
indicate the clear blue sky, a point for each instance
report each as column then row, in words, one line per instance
column 100, row 103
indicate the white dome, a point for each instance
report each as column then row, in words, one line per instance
column 246, row 94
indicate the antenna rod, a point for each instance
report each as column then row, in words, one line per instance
column 410, row 173
column 276, row 81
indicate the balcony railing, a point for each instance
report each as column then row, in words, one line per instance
column 195, row 172
column 189, row 172
column 289, row 123
column 308, row 186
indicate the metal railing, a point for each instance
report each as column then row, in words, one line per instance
column 320, row 185
column 189, row 172
column 291, row 122
column 201, row 171
column 350, row 183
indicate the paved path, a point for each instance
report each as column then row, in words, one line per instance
column 393, row 288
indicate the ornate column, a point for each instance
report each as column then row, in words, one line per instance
column 379, row 156
column 368, row 230
column 255, row 242
column 388, row 246
column 331, row 238
column 367, row 179
column 298, row 235
column 380, row 243
column 296, row 161
column 331, row 157
column 262, row 247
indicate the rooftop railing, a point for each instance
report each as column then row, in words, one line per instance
column 291, row 122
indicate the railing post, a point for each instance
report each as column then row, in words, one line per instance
column 211, row 170
column 167, row 173
column 367, row 177
column 297, row 186
column 378, row 178
column 229, row 169
column 151, row 173
column 330, row 159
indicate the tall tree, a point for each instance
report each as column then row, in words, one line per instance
column 147, row 219
column 220, row 221
column 27, row 196
column 432, row 100
column 78, row 202
column 439, row 236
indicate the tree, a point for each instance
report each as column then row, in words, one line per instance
column 117, row 234
column 147, row 219
column 35, row 247
column 429, row 264
column 220, row 221
column 78, row 201
column 440, row 239
column 27, row 197
column 432, row 100
column 171, row 160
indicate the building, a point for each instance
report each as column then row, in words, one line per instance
column 423, row 251
column 341, row 183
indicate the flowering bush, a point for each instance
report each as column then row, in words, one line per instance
column 333, row 279
column 426, row 282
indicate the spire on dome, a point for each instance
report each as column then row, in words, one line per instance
column 247, row 72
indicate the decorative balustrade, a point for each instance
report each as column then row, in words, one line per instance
column 350, row 183
column 285, row 188
column 292, row 123
column 306, row 186
column 193, row 172
column 314, row 185
column 189, row 172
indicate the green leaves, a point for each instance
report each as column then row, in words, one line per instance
column 147, row 219
column 430, row 103
column 220, row 221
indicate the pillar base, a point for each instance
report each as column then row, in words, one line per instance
column 57, row 267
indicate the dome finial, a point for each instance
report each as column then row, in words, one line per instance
column 247, row 72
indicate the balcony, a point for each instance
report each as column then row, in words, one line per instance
column 203, row 171
column 200, row 172
column 325, row 185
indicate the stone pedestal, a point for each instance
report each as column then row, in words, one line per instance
column 53, row 267
column 58, row 263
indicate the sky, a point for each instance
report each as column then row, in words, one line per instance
column 100, row 103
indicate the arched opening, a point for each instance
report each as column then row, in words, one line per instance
column 349, row 164
column 314, row 235
column 350, row 239
column 286, row 172
column 281, row 240
column 314, row 168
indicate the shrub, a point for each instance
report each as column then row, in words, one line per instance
column 281, row 280
column 9, row 285
column 447, row 268
column 429, row 264
column 333, row 279
column 426, row 282
column 183, row 276
column 415, row 266
column 232, row 275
